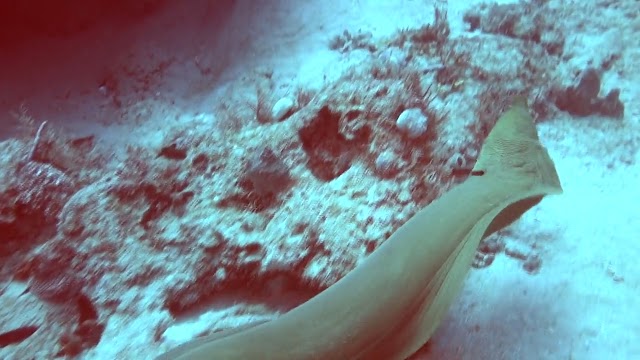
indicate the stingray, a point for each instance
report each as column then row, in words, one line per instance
column 392, row 303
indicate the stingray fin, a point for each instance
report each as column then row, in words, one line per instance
column 514, row 172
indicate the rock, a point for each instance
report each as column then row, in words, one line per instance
column 412, row 122
column 532, row 264
column 283, row 108
column 582, row 99
column 386, row 164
